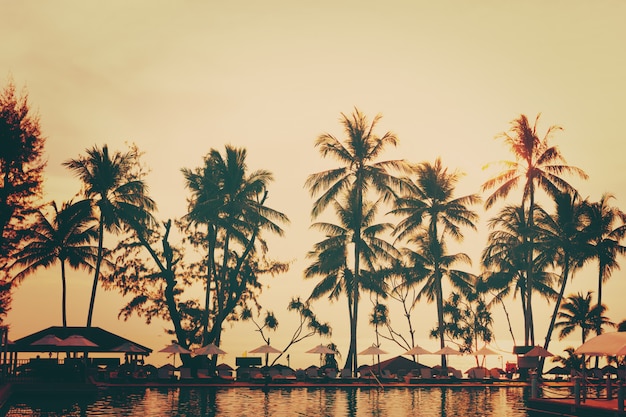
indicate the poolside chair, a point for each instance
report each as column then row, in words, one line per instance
column 495, row 373
column 426, row 373
column 288, row 374
column 312, row 374
column 185, row 374
column 256, row 375
column 386, row 375
column 345, row 375
column 330, row 373
column 457, row 374
column 165, row 372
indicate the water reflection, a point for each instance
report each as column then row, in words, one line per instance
column 350, row 402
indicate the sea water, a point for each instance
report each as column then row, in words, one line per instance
column 481, row 401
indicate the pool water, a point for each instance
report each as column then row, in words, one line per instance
column 276, row 402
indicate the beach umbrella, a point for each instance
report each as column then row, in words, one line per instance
column 175, row 348
column 77, row 341
column 447, row 351
column 606, row 344
column 210, row 349
column 484, row 352
column 47, row 340
column 417, row 350
column 374, row 351
column 321, row 350
column 266, row 349
column 130, row 347
column 539, row 352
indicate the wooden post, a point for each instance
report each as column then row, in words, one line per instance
column 533, row 386
column 577, row 390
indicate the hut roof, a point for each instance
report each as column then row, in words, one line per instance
column 105, row 340
column 395, row 364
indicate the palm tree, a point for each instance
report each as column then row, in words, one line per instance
column 114, row 183
column 563, row 240
column 433, row 258
column 330, row 257
column 430, row 200
column 577, row 311
column 65, row 238
column 229, row 201
column 359, row 174
column 605, row 231
column 505, row 258
column 537, row 164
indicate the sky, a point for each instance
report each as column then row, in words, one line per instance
column 181, row 78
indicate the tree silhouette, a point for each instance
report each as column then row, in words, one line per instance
column 537, row 164
column 115, row 185
column 66, row 238
column 360, row 172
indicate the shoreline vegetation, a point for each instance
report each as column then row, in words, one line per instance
column 388, row 226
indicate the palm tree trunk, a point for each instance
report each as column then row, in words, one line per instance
column 442, row 341
column 557, row 306
column 94, row 287
column 63, row 294
column 209, row 279
column 355, row 305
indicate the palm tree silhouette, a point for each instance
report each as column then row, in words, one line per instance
column 505, row 258
column 66, row 238
column 577, row 312
column 536, row 165
column 360, row 172
column 229, row 202
column 330, row 257
column 117, row 190
column 429, row 203
column 437, row 264
column 563, row 239
column 605, row 231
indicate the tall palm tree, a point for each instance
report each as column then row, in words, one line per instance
column 115, row 185
column 330, row 257
column 360, row 172
column 430, row 200
column 505, row 258
column 437, row 263
column 66, row 238
column 537, row 164
column 563, row 240
column 605, row 231
column 229, row 201
column 578, row 311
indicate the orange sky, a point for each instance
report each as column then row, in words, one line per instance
column 180, row 78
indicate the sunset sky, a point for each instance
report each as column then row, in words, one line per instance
column 180, row 78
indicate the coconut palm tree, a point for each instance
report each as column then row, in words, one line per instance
column 578, row 311
column 437, row 264
column 360, row 173
column 66, row 238
column 114, row 184
column 504, row 258
column 537, row 164
column 563, row 239
column 605, row 230
column 429, row 203
column 229, row 202
column 330, row 257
